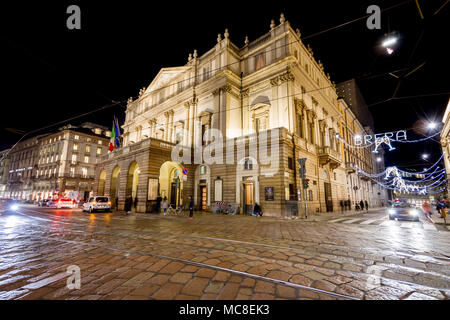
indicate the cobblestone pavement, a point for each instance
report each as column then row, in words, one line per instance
column 145, row 256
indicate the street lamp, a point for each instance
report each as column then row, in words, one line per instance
column 432, row 125
column 389, row 44
column 425, row 156
column 379, row 159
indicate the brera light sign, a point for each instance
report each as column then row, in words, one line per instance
column 380, row 138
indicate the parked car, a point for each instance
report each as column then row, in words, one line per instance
column 403, row 210
column 44, row 202
column 97, row 203
column 66, row 203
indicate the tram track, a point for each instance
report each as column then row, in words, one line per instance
column 134, row 237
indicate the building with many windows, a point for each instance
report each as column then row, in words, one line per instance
column 56, row 164
column 269, row 102
column 445, row 143
column 4, row 171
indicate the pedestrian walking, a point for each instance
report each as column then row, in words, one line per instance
column 440, row 207
column 367, row 205
column 117, row 204
column 191, row 207
column 356, row 206
column 427, row 210
column 341, row 203
column 128, row 204
column 348, row 204
column 361, row 204
column 158, row 204
column 257, row 210
column 165, row 205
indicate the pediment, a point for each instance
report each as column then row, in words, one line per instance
column 164, row 77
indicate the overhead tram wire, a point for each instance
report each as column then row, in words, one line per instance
column 115, row 103
column 220, row 68
column 273, row 49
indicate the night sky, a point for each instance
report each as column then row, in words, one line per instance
column 51, row 73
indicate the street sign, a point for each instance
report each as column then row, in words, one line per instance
column 185, row 171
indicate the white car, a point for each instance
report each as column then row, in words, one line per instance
column 65, row 203
column 97, row 203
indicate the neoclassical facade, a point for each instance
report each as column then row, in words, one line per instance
column 269, row 100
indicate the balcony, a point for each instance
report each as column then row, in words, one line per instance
column 328, row 156
column 364, row 177
column 350, row 167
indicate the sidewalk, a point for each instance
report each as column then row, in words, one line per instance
column 321, row 216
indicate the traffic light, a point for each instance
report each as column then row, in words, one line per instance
column 305, row 183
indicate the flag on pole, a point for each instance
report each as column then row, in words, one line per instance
column 117, row 133
column 112, row 139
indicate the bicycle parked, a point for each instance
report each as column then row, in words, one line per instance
column 175, row 211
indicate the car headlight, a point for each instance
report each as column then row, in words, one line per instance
column 14, row 207
column 413, row 212
column 391, row 211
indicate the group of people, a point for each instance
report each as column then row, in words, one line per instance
column 346, row 205
column 441, row 207
column 164, row 205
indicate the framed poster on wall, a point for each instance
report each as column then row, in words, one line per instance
column 152, row 189
column 218, row 190
column 269, row 194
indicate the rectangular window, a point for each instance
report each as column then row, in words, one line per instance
column 290, row 164
column 87, row 149
column 76, row 137
column 86, row 159
column 259, row 61
column 310, row 193
column 300, row 125
column 100, row 142
column 84, row 172
column 292, row 195
column 99, row 150
column 74, row 158
column 75, row 146
column 311, row 132
column 72, row 172
column 206, row 73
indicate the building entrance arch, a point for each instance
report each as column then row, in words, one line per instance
column 171, row 182
column 101, row 183
column 114, row 189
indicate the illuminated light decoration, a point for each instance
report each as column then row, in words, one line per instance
column 384, row 140
column 393, row 170
column 380, row 138
column 389, row 51
column 389, row 42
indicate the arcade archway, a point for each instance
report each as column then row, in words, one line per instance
column 114, row 190
column 101, row 183
column 171, row 183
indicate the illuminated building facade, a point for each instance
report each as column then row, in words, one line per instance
column 269, row 87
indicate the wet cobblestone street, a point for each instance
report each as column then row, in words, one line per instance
column 210, row 257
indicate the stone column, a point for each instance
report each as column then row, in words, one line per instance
column 171, row 137
column 186, row 140
column 166, row 129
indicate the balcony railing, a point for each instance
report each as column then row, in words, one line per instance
column 350, row 167
column 328, row 155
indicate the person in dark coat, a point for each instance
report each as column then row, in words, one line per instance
column 158, row 204
column 128, row 204
column 361, row 204
column 367, row 205
column 117, row 204
column 341, row 203
column 257, row 210
column 135, row 202
column 191, row 207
